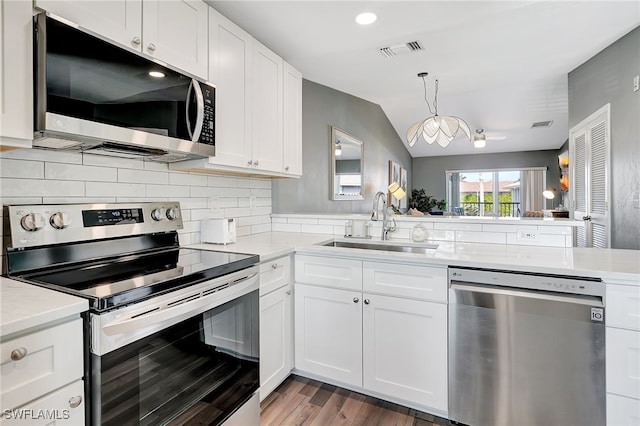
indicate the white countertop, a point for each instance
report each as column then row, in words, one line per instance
column 609, row 264
column 23, row 306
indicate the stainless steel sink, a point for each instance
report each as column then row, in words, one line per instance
column 422, row 248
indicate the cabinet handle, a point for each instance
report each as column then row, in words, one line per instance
column 274, row 266
column 249, row 163
column 367, row 301
column 255, row 163
column 75, row 401
column 136, row 41
column 288, row 292
column 18, row 354
column 286, row 169
column 356, row 300
column 151, row 47
column 586, row 217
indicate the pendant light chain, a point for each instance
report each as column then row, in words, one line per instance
column 435, row 101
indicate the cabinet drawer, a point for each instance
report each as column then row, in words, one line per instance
column 416, row 282
column 52, row 359
column 328, row 271
column 623, row 303
column 62, row 407
column 623, row 362
column 274, row 274
column 622, row 411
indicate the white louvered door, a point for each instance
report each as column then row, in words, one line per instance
column 589, row 153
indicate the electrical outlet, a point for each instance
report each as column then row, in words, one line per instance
column 636, row 83
column 527, row 235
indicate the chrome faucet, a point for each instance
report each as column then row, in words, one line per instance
column 386, row 228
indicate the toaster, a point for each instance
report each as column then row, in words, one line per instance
column 218, row 231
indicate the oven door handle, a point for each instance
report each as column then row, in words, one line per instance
column 157, row 316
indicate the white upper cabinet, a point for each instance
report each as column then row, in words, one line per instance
column 267, row 109
column 176, row 33
column 172, row 31
column 16, row 75
column 230, row 54
column 292, row 121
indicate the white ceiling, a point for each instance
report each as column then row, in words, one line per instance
column 501, row 65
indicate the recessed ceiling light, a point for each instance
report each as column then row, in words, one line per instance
column 156, row 74
column 366, row 18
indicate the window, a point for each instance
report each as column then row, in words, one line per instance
column 497, row 192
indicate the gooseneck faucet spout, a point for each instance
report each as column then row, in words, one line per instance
column 375, row 215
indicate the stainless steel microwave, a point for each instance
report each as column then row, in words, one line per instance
column 96, row 97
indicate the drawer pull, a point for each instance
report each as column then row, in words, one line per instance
column 18, row 354
column 288, row 292
column 356, row 300
column 274, row 266
column 75, row 401
column 367, row 301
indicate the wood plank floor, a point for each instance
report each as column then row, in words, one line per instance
column 301, row 401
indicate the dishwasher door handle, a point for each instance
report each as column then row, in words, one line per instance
column 516, row 292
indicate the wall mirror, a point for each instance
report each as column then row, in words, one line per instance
column 347, row 159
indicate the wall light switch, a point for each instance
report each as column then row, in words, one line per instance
column 636, row 83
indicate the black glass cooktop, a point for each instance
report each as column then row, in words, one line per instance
column 118, row 281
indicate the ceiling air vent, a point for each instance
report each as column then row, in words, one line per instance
column 400, row 49
column 542, row 124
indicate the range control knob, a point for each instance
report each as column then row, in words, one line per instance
column 32, row 222
column 59, row 220
column 157, row 214
column 173, row 213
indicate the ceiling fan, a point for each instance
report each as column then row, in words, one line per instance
column 480, row 138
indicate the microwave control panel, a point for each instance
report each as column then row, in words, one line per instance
column 207, row 136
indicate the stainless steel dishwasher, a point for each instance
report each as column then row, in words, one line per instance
column 525, row 349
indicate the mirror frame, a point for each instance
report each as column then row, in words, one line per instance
column 335, row 133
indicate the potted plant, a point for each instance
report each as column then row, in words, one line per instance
column 425, row 203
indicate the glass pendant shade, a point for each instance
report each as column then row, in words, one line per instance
column 479, row 141
column 439, row 128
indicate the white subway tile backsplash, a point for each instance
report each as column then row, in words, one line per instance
column 260, row 183
column 178, row 178
column 257, row 229
column 441, row 235
column 285, row 227
column 13, row 168
column 543, row 240
column 317, row 229
column 44, row 155
column 303, row 221
column 458, row 226
column 507, row 228
column 5, row 201
column 222, row 181
column 21, row 187
column 555, row 230
column 481, row 237
column 278, row 220
column 78, row 200
column 143, row 176
column 171, row 191
column 94, row 189
column 154, row 165
column 79, row 172
column 258, row 192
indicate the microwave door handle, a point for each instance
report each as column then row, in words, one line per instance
column 187, row 109
column 200, row 116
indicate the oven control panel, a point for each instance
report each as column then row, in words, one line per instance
column 36, row 225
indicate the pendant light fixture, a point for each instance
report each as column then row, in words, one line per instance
column 438, row 128
column 479, row 139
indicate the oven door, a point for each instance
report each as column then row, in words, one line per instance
column 197, row 370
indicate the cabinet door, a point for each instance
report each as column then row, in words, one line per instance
column 328, row 333
column 623, row 362
column 48, row 359
column 405, row 349
column 16, row 74
column 267, row 109
column 176, row 32
column 66, row 407
column 117, row 20
column 622, row 411
column 276, row 341
column 230, row 57
column 292, row 121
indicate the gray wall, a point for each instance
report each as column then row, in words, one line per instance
column 323, row 107
column 607, row 78
column 429, row 172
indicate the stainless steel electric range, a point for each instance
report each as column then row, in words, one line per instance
column 172, row 334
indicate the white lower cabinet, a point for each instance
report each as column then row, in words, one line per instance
column 405, row 349
column 385, row 333
column 66, row 406
column 276, row 323
column 623, row 354
column 328, row 333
